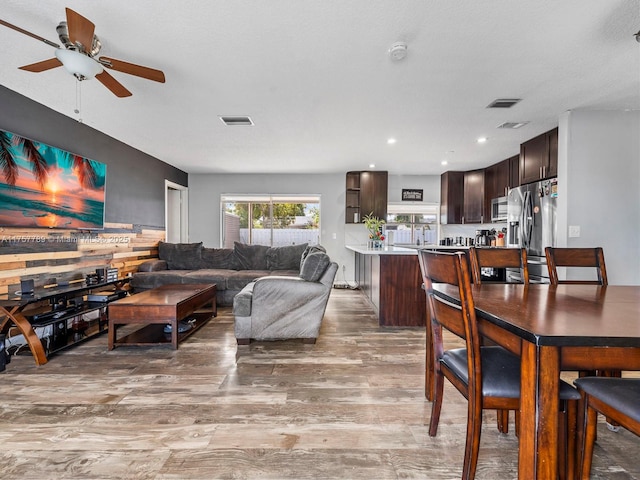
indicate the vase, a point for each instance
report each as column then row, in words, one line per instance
column 375, row 244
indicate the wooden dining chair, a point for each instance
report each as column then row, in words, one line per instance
column 498, row 258
column 488, row 376
column 576, row 257
column 583, row 258
column 615, row 398
column 480, row 258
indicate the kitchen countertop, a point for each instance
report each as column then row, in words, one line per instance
column 404, row 249
column 386, row 250
column 453, row 248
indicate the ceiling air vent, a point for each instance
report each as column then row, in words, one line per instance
column 512, row 125
column 237, row 121
column 503, row 103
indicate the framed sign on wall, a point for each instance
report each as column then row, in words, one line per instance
column 411, row 195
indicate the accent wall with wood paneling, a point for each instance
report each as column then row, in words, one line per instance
column 55, row 256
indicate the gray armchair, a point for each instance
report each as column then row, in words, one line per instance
column 278, row 308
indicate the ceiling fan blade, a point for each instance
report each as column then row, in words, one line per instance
column 32, row 35
column 42, row 66
column 80, row 29
column 112, row 84
column 133, row 69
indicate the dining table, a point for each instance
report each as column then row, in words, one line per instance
column 554, row 328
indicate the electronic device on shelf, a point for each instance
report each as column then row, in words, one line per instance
column 27, row 287
column 106, row 297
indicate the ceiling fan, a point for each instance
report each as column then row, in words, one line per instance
column 78, row 55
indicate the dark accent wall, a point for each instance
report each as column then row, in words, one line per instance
column 135, row 180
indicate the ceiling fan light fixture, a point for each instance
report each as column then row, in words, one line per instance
column 78, row 64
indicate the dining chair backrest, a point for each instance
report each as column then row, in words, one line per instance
column 498, row 258
column 451, row 268
column 576, row 257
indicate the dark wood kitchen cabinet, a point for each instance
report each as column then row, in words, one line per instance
column 393, row 285
column 451, row 197
column 539, row 157
column 462, row 197
column 498, row 179
column 366, row 192
column 514, row 171
column 473, row 197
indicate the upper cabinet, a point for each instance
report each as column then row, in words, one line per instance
column 366, row 193
column 462, row 197
column 539, row 157
column 514, row 172
column 498, row 179
column 451, row 197
column 473, row 211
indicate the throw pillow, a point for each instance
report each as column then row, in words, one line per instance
column 223, row 258
column 286, row 257
column 311, row 249
column 180, row 256
column 251, row 257
column 314, row 266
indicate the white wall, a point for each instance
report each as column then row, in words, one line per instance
column 204, row 205
column 599, row 187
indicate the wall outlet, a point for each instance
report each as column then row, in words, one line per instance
column 574, row 231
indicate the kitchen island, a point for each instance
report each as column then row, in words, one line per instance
column 390, row 278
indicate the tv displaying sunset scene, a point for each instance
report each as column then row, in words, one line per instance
column 44, row 186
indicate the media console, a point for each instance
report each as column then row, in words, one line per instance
column 51, row 319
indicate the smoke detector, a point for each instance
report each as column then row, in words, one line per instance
column 398, row 51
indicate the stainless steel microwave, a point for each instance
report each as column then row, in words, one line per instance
column 499, row 209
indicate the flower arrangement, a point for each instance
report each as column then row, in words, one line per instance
column 374, row 225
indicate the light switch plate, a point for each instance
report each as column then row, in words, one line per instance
column 574, row 231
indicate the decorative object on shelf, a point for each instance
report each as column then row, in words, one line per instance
column 374, row 225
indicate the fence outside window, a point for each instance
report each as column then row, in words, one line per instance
column 273, row 220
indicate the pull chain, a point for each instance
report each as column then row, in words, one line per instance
column 78, row 100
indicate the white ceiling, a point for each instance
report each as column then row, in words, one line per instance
column 316, row 78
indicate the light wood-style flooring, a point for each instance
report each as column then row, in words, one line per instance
column 351, row 406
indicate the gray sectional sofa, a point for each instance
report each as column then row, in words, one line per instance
column 230, row 269
column 280, row 308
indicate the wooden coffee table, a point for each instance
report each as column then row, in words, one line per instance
column 166, row 305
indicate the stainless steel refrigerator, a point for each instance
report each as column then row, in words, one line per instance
column 532, row 224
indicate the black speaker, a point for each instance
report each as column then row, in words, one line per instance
column 27, row 287
column 102, row 274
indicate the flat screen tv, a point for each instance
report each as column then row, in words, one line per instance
column 44, row 186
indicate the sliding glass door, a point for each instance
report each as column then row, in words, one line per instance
column 272, row 220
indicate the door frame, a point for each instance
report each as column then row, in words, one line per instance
column 184, row 209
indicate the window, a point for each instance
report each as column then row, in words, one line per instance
column 412, row 224
column 273, row 220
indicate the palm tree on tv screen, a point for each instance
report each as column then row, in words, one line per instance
column 87, row 175
column 83, row 167
column 32, row 155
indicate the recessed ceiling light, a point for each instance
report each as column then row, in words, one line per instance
column 444, row 162
column 391, row 141
column 372, row 165
column 482, row 140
